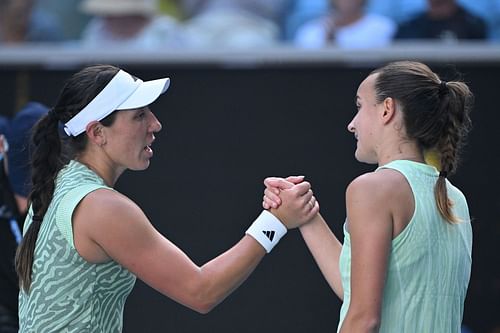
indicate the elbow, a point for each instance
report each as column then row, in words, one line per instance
column 362, row 323
column 204, row 306
column 203, row 297
column 199, row 304
column 368, row 323
column 372, row 324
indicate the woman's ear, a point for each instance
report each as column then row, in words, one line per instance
column 95, row 133
column 389, row 110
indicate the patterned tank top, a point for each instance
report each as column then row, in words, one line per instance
column 67, row 293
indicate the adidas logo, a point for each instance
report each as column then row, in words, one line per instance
column 269, row 234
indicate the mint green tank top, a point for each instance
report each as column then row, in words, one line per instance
column 429, row 265
column 69, row 294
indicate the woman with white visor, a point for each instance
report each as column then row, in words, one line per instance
column 85, row 243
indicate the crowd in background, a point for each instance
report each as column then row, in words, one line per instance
column 246, row 23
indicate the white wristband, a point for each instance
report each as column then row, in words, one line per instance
column 267, row 230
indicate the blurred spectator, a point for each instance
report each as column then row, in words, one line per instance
column 232, row 23
column 403, row 10
column 398, row 10
column 14, row 188
column 21, row 22
column 129, row 23
column 68, row 15
column 300, row 12
column 444, row 19
column 348, row 26
column 18, row 136
column 489, row 10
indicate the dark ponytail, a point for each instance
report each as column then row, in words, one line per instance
column 51, row 153
column 46, row 153
column 435, row 114
column 456, row 102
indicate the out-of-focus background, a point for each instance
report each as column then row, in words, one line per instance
column 260, row 88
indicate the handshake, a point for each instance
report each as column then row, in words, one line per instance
column 291, row 200
column 289, row 203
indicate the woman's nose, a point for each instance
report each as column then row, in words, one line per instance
column 155, row 123
column 350, row 126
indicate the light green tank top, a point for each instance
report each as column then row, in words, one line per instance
column 69, row 294
column 429, row 265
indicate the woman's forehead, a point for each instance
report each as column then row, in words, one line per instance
column 367, row 86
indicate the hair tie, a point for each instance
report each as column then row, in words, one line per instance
column 37, row 218
column 443, row 174
column 443, row 87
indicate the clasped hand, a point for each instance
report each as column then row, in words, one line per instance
column 290, row 199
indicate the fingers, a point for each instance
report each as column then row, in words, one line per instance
column 310, row 209
column 278, row 183
column 309, row 205
column 268, row 204
column 302, row 188
column 300, row 194
column 271, row 199
column 310, row 199
column 314, row 211
column 306, row 198
column 273, row 186
column 295, row 179
column 296, row 197
column 293, row 193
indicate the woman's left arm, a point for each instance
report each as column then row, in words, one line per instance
column 370, row 225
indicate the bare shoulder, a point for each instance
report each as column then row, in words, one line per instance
column 383, row 196
column 105, row 208
column 106, row 222
column 383, row 184
column 378, row 196
column 107, row 201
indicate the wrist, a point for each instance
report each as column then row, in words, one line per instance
column 311, row 223
column 276, row 213
column 267, row 230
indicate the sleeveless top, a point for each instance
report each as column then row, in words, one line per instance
column 67, row 293
column 430, row 261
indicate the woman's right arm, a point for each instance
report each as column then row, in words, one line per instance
column 121, row 232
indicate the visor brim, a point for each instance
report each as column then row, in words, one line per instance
column 146, row 94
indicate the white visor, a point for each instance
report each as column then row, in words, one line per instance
column 121, row 93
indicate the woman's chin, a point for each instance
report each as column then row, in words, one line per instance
column 364, row 159
column 143, row 165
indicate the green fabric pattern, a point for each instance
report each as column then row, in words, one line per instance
column 69, row 294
